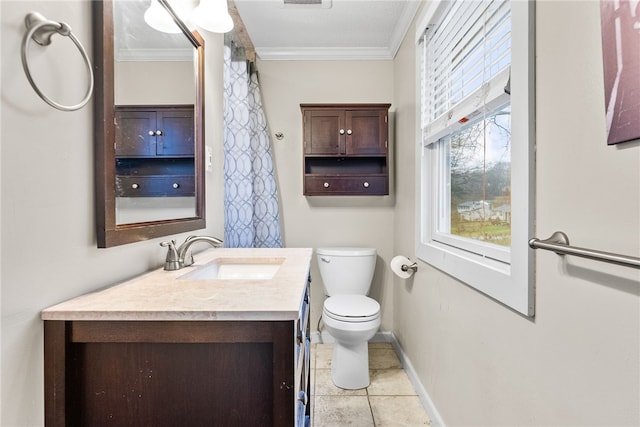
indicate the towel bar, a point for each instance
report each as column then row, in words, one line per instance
column 559, row 243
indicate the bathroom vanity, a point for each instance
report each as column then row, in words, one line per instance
column 223, row 342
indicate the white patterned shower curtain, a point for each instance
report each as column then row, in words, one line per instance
column 251, row 212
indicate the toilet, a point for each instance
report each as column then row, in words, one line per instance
column 349, row 315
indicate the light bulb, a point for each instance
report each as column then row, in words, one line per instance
column 159, row 19
column 213, row 15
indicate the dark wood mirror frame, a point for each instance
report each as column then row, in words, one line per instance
column 109, row 233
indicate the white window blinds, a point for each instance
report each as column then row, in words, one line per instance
column 466, row 64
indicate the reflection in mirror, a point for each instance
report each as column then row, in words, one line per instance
column 154, row 120
column 149, row 175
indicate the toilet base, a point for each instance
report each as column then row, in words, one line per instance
column 350, row 365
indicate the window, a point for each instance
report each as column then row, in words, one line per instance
column 476, row 145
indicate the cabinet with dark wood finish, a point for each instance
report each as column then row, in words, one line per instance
column 346, row 149
column 154, row 151
column 178, row 373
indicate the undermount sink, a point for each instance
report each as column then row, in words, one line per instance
column 236, row 269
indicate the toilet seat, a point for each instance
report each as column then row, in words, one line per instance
column 346, row 252
column 351, row 308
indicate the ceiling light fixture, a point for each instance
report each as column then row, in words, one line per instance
column 213, row 15
column 323, row 4
column 159, row 19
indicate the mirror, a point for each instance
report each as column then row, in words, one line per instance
column 149, row 127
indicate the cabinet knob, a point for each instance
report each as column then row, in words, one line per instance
column 176, row 185
column 135, row 186
column 158, row 133
column 151, row 133
column 341, row 131
column 349, row 132
column 326, row 185
column 366, row 184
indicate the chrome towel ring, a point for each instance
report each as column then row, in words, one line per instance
column 40, row 29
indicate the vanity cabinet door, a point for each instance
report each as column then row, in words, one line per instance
column 302, row 369
column 170, row 373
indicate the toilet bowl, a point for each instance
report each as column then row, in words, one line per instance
column 350, row 361
column 349, row 316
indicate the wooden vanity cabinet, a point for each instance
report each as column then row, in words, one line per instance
column 154, row 151
column 346, row 149
column 178, row 373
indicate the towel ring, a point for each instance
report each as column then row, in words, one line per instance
column 40, row 30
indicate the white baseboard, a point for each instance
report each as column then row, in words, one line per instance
column 323, row 337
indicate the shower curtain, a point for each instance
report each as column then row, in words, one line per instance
column 251, row 211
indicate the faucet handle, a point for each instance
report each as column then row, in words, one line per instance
column 172, row 261
column 170, row 244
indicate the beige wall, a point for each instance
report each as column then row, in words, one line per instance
column 327, row 221
column 578, row 361
column 154, row 82
column 48, row 248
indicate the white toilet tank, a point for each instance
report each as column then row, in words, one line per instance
column 346, row 270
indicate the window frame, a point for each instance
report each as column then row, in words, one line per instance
column 512, row 282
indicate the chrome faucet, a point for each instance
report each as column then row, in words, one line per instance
column 181, row 256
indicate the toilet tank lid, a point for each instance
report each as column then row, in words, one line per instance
column 346, row 251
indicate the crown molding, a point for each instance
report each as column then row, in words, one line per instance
column 325, row 54
column 123, row 55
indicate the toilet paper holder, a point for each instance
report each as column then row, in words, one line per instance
column 413, row 267
column 403, row 267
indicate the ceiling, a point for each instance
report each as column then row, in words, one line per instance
column 334, row 29
column 134, row 40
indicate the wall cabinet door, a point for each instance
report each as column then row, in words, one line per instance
column 136, row 133
column 176, row 138
column 324, row 131
column 346, row 131
column 150, row 132
column 366, row 131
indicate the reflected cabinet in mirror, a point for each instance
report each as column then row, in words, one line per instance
column 149, row 126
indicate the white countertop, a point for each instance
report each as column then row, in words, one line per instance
column 160, row 295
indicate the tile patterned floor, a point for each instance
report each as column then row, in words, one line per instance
column 390, row 399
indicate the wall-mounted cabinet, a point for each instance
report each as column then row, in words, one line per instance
column 346, row 149
column 154, row 151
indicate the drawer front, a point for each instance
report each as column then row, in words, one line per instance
column 346, row 185
column 155, row 186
